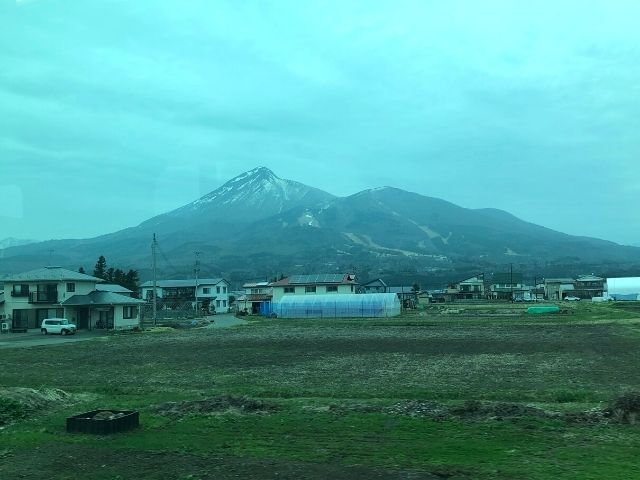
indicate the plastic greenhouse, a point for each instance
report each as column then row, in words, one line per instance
column 338, row 306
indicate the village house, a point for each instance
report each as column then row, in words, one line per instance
column 375, row 286
column 509, row 286
column 558, row 288
column 212, row 293
column 255, row 299
column 55, row 292
column 406, row 293
column 314, row 284
column 588, row 286
column 471, row 288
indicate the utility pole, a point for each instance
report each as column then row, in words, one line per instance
column 197, row 270
column 153, row 256
column 511, row 270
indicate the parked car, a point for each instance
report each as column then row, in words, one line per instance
column 60, row 326
column 572, row 299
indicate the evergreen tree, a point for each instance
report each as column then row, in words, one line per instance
column 81, row 270
column 119, row 278
column 131, row 280
column 100, row 270
column 109, row 275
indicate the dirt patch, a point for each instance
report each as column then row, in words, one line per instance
column 215, row 405
column 477, row 411
column 58, row 461
column 626, row 408
column 19, row 403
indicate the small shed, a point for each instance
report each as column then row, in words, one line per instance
column 338, row 306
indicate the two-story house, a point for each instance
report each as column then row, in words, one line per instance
column 375, row 286
column 256, row 298
column 509, row 286
column 471, row 288
column 211, row 292
column 589, row 286
column 314, row 284
column 55, row 292
column 558, row 288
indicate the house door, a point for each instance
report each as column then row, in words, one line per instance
column 83, row 317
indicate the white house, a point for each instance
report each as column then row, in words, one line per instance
column 215, row 291
column 55, row 292
column 314, row 284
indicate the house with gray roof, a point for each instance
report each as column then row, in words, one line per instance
column 114, row 288
column 56, row 292
column 213, row 292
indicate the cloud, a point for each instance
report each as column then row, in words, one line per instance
column 476, row 102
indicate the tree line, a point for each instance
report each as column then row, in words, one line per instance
column 128, row 279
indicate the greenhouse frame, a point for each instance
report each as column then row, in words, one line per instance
column 338, row 306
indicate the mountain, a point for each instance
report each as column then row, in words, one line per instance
column 14, row 242
column 258, row 224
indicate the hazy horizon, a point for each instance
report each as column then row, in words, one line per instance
column 114, row 112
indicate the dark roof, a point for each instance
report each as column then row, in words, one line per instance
column 183, row 283
column 112, row 287
column 321, row 278
column 101, row 298
column 257, row 297
column 377, row 281
column 54, row 274
column 400, row 290
column 506, row 278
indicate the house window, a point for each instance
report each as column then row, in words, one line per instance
column 332, row 288
column 206, row 290
column 351, row 288
column 310, row 289
column 71, row 287
column 217, row 289
column 21, row 290
column 129, row 312
column 217, row 303
column 224, row 303
column 224, row 289
column 289, row 289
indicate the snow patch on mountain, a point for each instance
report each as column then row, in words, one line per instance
column 257, row 188
column 308, row 219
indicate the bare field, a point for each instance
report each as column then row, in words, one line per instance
column 336, row 386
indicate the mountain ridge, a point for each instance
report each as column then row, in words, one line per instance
column 258, row 222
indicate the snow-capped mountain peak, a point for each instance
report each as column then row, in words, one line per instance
column 256, row 192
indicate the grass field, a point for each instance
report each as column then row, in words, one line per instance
column 456, row 392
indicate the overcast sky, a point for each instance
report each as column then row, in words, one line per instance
column 114, row 111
